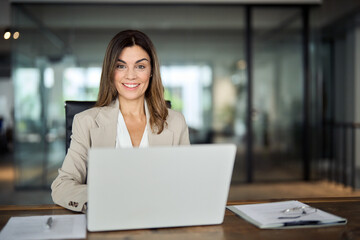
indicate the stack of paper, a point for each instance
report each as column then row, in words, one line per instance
column 275, row 215
column 39, row 227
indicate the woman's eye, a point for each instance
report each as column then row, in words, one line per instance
column 141, row 66
column 121, row 66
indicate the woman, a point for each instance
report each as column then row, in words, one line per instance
column 130, row 112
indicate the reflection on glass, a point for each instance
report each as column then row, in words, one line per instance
column 28, row 124
column 27, row 100
column 278, row 93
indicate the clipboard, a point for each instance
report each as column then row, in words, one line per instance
column 276, row 215
column 40, row 227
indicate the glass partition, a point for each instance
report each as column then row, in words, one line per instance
column 278, row 93
column 59, row 57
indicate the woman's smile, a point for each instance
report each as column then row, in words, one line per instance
column 131, row 86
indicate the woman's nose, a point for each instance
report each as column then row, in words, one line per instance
column 130, row 73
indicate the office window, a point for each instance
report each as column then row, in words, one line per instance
column 81, row 83
column 188, row 89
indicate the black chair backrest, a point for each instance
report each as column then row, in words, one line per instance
column 74, row 107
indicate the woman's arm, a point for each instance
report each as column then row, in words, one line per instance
column 184, row 135
column 69, row 189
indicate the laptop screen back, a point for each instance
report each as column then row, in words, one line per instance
column 158, row 186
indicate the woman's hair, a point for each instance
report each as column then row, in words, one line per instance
column 154, row 94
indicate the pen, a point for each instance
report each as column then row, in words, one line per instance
column 49, row 222
column 299, row 223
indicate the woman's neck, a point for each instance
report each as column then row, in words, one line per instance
column 132, row 107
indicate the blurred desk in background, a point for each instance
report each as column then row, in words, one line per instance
column 233, row 227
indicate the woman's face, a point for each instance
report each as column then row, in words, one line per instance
column 132, row 73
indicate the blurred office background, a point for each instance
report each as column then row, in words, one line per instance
column 280, row 79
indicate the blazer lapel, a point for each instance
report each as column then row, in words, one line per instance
column 166, row 137
column 105, row 134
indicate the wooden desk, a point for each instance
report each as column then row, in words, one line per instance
column 233, row 227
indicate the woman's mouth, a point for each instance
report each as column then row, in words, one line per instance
column 131, row 85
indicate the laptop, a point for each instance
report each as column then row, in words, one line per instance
column 158, row 187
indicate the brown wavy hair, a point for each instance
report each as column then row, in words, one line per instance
column 154, row 94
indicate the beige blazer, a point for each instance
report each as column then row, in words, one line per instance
column 97, row 127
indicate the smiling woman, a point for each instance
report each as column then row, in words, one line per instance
column 126, row 54
column 130, row 112
column 132, row 74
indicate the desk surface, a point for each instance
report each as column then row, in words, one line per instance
column 233, row 227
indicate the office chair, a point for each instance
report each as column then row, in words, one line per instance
column 74, row 107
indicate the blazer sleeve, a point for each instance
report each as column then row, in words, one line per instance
column 184, row 134
column 69, row 189
column 177, row 124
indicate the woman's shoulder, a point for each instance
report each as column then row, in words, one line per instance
column 175, row 117
column 96, row 114
column 88, row 113
column 95, row 111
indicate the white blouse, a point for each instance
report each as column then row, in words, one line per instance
column 123, row 139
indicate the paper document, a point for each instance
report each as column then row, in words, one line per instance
column 45, row 227
column 287, row 214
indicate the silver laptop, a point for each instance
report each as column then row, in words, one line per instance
column 158, row 187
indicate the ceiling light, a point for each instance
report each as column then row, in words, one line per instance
column 7, row 34
column 16, row 35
